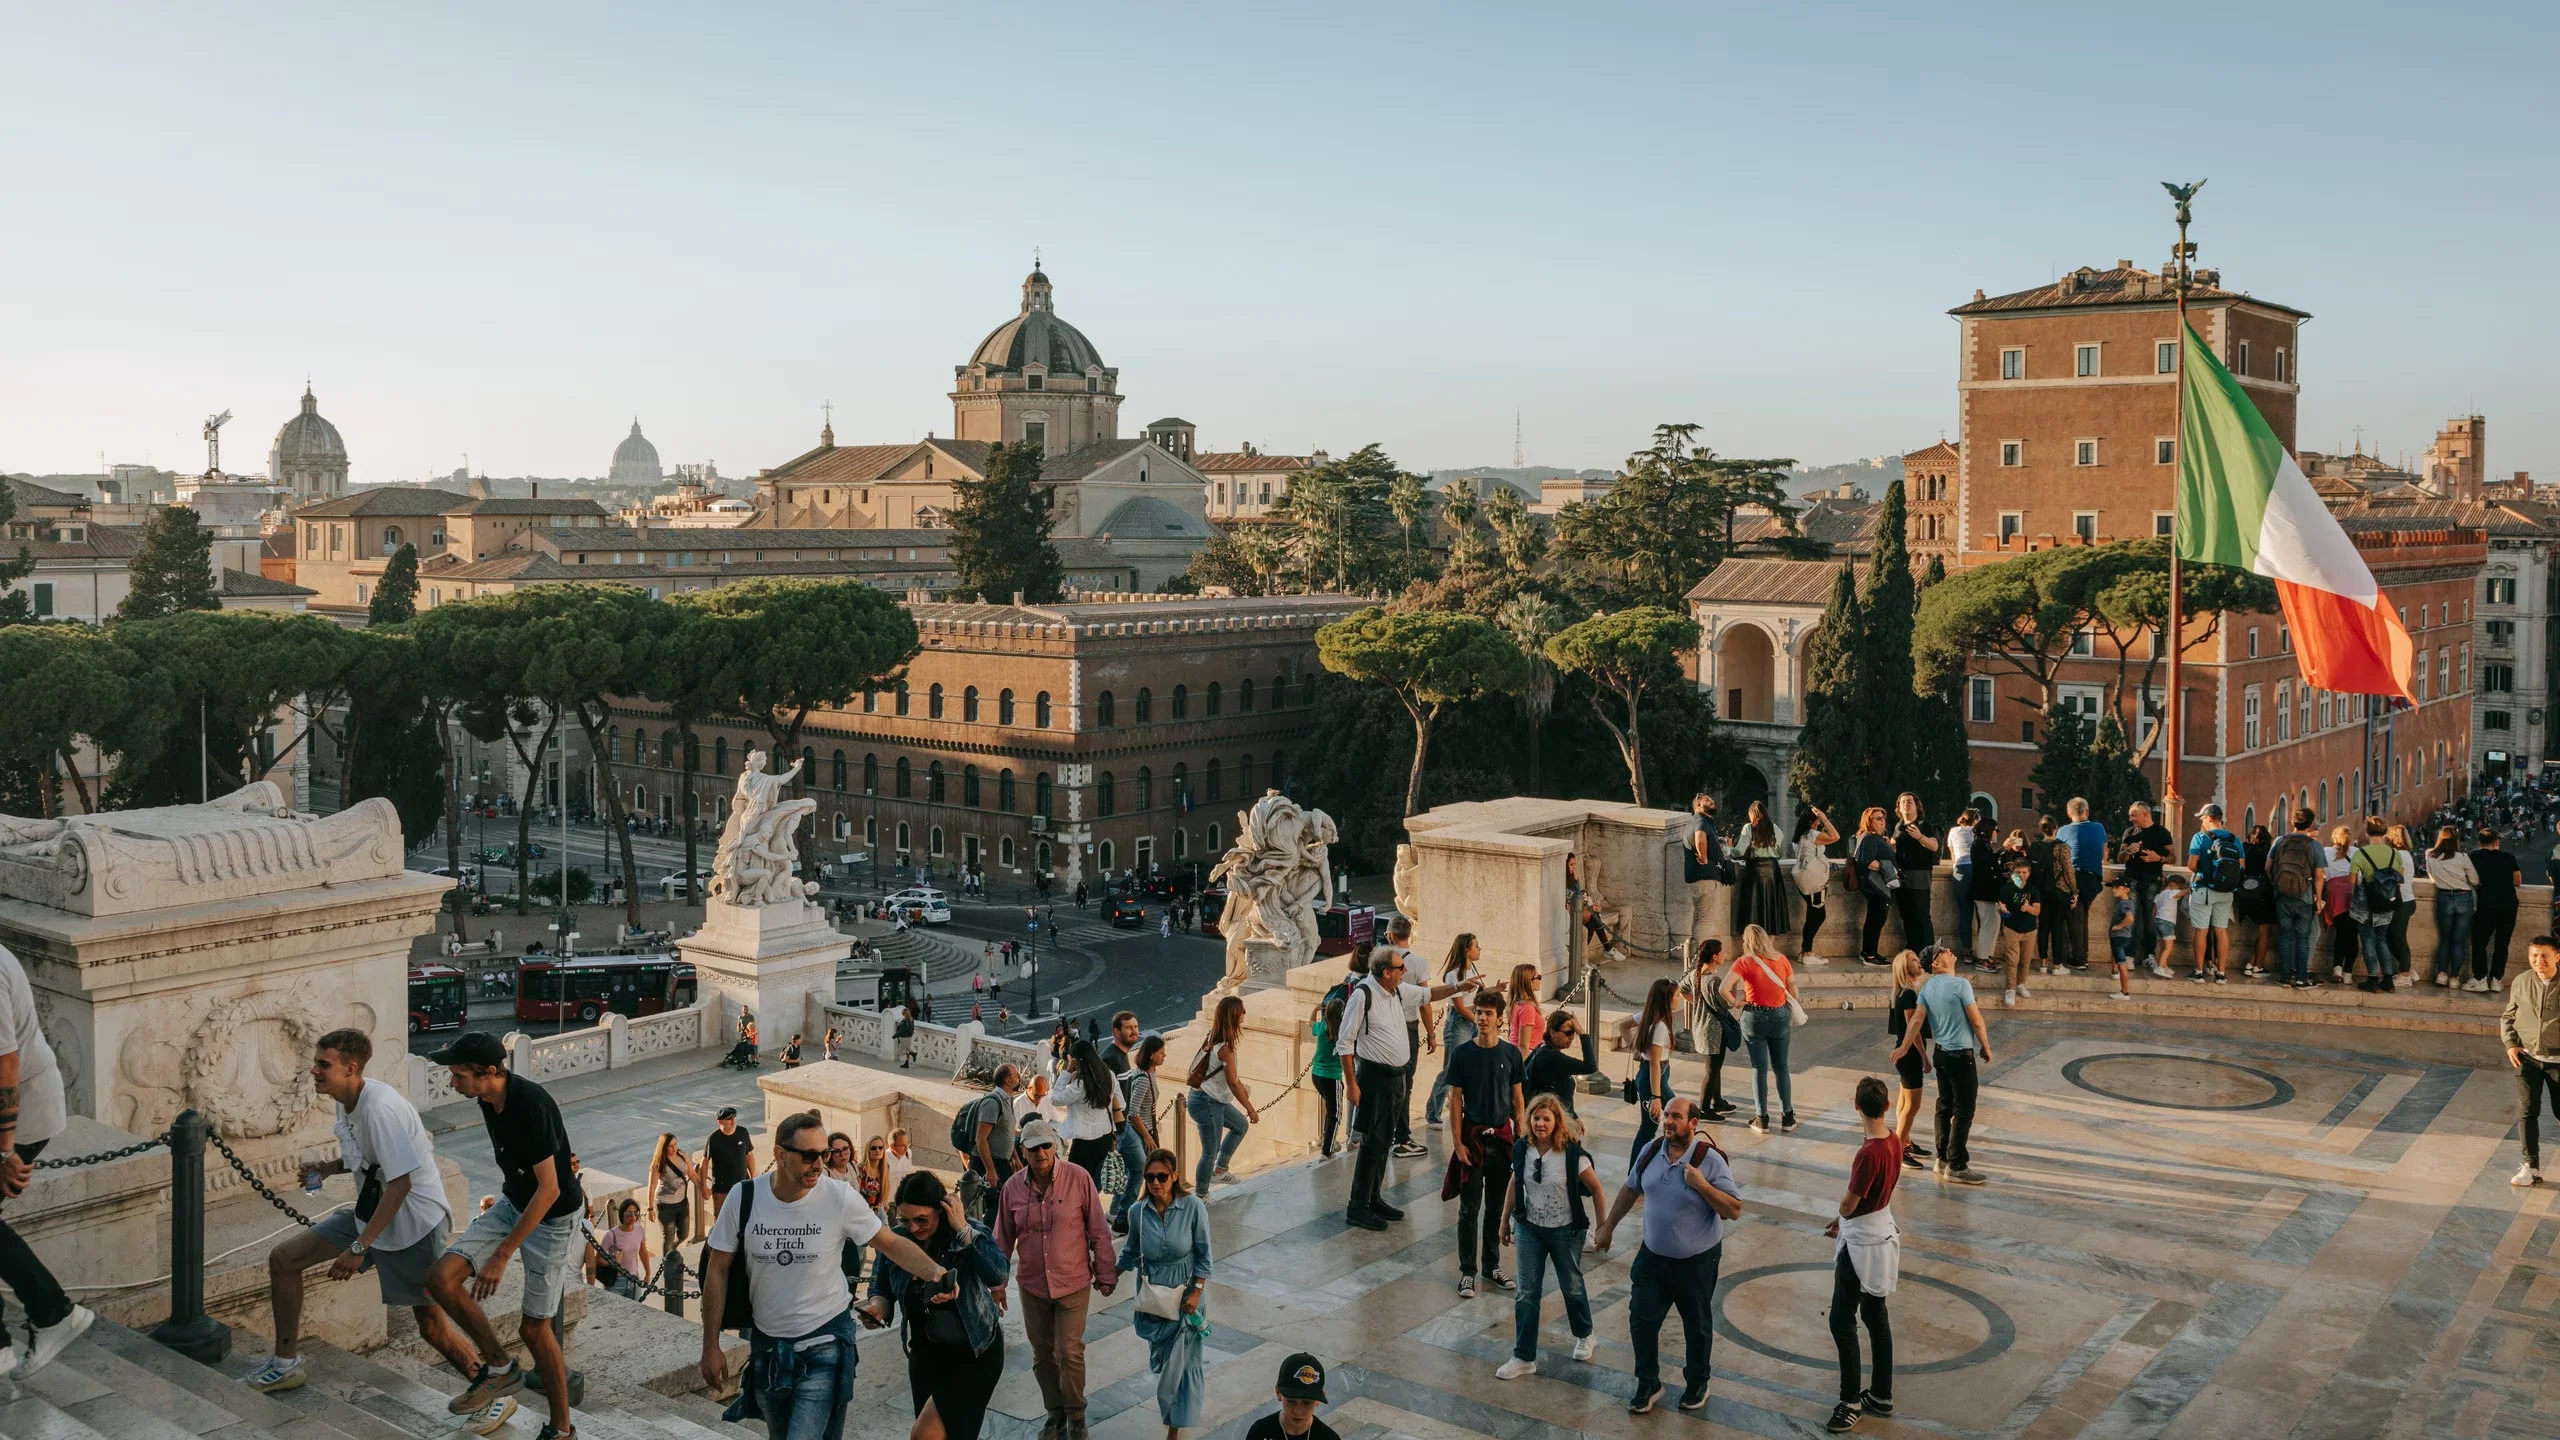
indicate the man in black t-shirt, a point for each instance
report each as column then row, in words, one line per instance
column 1916, row 844
column 2493, row 924
column 1486, row 1076
column 732, row 1153
column 535, row 1216
column 2143, row 848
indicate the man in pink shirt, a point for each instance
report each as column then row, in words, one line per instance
column 1053, row 1225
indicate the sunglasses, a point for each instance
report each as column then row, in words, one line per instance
column 1159, row 1177
column 807, row 1157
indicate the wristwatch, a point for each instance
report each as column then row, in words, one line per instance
column 357, row 1247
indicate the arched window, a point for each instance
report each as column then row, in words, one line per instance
column 906, row 779
column 1040, row 795
column 870, row 773
column 933, row 783
column 639, row 747
column 902, row 697
column 1212, row 698
column 1213, row 837
column 1040, row 710
column 844, row 827
column 1181, row 787
column 720, row 756
column 835, row 771
column 969, row 786
column 1105, row 797
column 1044, row 857
column 1279, row 692
column 933, row 839
column 905, row 842
column 870, row 702
column 1181, row 845
column 1004, row 789
column 1102, row 710
column 1279, row 771
column 1244, row 779
column 1209, row 782
column 1244, row 698
column 933, row 702
column 1004, row 851
column 1307, row 688
column 1107, row 857
column 391, row 540
column 1146, row 705
column 1146, row 789
column 871, row 831
column 969, row 705
column 1004, row 707
column 1181, row 702
column 613, row 744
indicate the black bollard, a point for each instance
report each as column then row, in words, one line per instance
column 189, row 1330
column 671, row 1280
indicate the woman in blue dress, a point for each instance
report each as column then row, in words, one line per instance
column 1168, row 1248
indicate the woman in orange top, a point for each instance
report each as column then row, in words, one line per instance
column 1528, row 1025
column 1759, row 985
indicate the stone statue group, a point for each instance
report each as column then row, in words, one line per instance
column 758, row 861
column 1278, row 878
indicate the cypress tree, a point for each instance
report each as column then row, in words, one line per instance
column 395, row 599
column 1832, row 767
column 2062, row 771
column 1000, row 530
column 172, row 569
column 1943, row 772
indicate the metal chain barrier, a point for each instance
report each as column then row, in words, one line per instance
column 647, row 1287
column 255, row 1183
column 103, row 1156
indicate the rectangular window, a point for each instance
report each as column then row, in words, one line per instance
column 2013, row 364
column 2164, row 451
column 2012, row 524
column 2444, row 672
column 2464, row 671
column 2302, row 711
column 2284, row 639
column 2284, row 366
column 1978, row 699
column 2497, row 720
column 1033, row 382
column 2163, row 523
column 2084, row 452
column 2502, row 592
column 2500, row 632
column 2027, row 731
column 359, row 594
column 43, row 598
column 2084, row 523
column 2084, row 642
column 2284, row 710
column 2253, row 642
column 2249, row 719
column 2239, row 357
column 2497, row 679
column 2013, row 453
column 2165, row 360
column 1222, row 493
column 2084, row 360
column 2081, row 700
column 1035, row 433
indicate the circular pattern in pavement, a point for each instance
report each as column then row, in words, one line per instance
column 2178, row 1082
column 2000, row 1332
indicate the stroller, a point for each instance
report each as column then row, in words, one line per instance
column 742, row 1056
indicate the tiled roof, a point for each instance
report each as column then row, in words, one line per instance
column 241, row 582
column 1768, row 582
column 385, row 500
column 2123, row 283
column 1935, row 456
column 1148, row 608
column 522, row 565
column 30, row 493
column 98, row 542
column 279, row 544
column 499, row 506
column 741, row 540
column 1234, row 461
column 840, row 464
column 1077, row 464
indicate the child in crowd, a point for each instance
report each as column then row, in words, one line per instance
column 1300, row 1391
column 2120, row 936
column 2164, row 921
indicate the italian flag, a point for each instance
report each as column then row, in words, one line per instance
column 2242, row 502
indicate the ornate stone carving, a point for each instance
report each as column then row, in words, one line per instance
column 758, row 862
column 244, row 1095
column 1278, row 875
column 1408, row 883
column 247, row 843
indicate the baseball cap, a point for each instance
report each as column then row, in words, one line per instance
column 727, row 1112
column 1302, row 1377
column 2208, row 811
column 1037, row 1134
column 471, row 1047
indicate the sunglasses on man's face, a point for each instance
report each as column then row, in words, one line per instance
column 807, row 1157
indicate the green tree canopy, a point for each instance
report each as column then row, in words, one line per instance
column 395, row 597
column 1662, row 525
column 794, row 646
column 1625, row 653
column 172, row 568
column 60, row 685
column 240, row 669
column 1342, row 534
column 1429, row 661
column 15, row 606
column 1000, row 530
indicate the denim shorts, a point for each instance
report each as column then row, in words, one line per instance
column 550, row 1254
column 403, row 1272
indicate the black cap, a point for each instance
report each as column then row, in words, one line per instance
column 471, row 1047
column 1302, row 1377
column 727, row 1112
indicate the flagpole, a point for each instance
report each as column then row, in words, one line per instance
column 2173, row 737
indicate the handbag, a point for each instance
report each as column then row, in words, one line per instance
column 368, row 1193
column 1153, row 1300
column 1795, row 1011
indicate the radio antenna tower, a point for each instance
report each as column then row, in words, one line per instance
column 1518, row 462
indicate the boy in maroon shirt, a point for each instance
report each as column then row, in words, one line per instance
column 1868, row 1262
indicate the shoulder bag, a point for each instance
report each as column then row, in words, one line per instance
column 1153, row 1300
column 1795, row 1011
column 735, row 1314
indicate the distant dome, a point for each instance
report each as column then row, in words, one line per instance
column 635, row 460
column 1036, row 337
column 306, row 439
column 1147, row 518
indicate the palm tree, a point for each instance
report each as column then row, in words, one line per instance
column 1410, row 503
column 1531, row 620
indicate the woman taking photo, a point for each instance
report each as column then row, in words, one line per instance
column 670, row 1198
column 955, row 1339
column 1220, row 1105
column 1550, row 1174
column 1759, row 985
column 1168, row 1250
column 1910, row 1062
column 1458, row 1028
column 1762, row 890
column 1871, row 862
column 1653, row 1058
column 1090, row 1098
column 1814, row 838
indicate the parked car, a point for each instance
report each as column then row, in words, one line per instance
column 922, row 904
column 672, row 886
column 1126, row 911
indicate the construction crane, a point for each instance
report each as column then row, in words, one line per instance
column 213, row 442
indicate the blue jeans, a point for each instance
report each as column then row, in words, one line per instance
column 1216, row 1118
column 1133, row 1164
column 2453, row 929
column 2374, row 939
column 1459, row 1032
column 1964, row 907
column 802, row 1386
column 1541, row 1246
column 1766, row 1031
column 1662, row 1286
column 2297, row 921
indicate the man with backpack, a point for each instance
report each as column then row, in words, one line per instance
column 1378, row 1079
column 2373, row 874
column 1689, row 1195
column 982, row 1133
column 2295, row 866
column 2215, row 855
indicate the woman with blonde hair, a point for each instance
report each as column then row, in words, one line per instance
column 1550, row 1174
column 1760, row 984
column 1528, row 1023
column 2407, row 906
column 1910, row 1062
column 1872, row 867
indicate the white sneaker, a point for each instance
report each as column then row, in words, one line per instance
column 1813, row 960
column 2443, row 979
column 2025, row 994
column 1514, row 1368
column 276, row 1373
column 2525, row 1175
column 2118, row 995
column 2494, row 986
column 1583, row 1347
column 51, row 1340
column 2008, row 997
column 2476, row 986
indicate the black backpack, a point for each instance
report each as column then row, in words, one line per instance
column 2221, row 865
column 2380, row 891
column 734, row 1311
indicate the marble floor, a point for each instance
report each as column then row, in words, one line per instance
column 2189, row 1230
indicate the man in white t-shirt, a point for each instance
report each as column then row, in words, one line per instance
column 796, row 1222
column 381, row 1139
column 1374, row 1022
column 32, row 1112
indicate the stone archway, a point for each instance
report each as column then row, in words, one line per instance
column 1748, row 784
column 1746, row 675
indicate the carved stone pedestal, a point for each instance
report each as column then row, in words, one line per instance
column 777, row 960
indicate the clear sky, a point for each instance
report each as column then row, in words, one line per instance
column 508, row 229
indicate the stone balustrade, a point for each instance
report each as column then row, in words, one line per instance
column 940, row 1049
column 609, row 1044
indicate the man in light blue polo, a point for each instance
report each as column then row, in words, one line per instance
column 2087, row 841
column 1689, row 1193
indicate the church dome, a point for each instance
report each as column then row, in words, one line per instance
column 635, row 460
column 306, row 439
column 1036, row 337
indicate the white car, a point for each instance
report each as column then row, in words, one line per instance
column 463, row 879
column 933, row 905
column 672, row 887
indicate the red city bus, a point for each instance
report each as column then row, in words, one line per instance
column 436, row 999
column 587, row 986
column 1340, row 929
